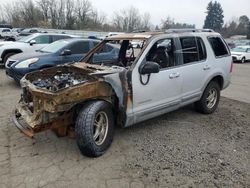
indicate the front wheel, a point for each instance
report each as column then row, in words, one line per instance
column 243, row 60
column 210, row 99
column 95, row 128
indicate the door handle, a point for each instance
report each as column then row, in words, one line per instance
column 174, row 75
column 206, row 67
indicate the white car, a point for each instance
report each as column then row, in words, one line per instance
column 9, row 34
column 28, row 44
column 5, row 32
column 241, row 53
column 137, row 43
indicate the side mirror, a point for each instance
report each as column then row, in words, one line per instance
column 66, row 52
column 32, row 42
column 149, row 67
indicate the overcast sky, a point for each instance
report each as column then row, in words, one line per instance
column 188, row 11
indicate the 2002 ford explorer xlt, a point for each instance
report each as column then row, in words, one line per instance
column 88, row 98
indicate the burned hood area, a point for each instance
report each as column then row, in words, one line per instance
column 63, row 77
column 60, row 80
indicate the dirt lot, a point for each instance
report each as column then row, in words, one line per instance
column 179, row 149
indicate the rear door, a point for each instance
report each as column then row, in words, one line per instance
column 195, row 67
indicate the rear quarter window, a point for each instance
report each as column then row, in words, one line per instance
column 218, row 46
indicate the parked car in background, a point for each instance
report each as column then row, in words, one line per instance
column 28, row 44
column 137, row 43
column 241, row 54
column 231, row 45
column 18, row 30
column 6, row 26
column 242, row 43
column 57, row 53
column 9, row 34
column 28, row 31
column 4, row 32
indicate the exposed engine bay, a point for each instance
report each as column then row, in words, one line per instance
column 60, row 80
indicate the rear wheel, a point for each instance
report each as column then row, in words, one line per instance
column 95, row 128
column 210, row 99
column 243, row 60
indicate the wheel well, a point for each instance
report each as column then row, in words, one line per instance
column 219, row 80
column 10, row 51
column 113, row 103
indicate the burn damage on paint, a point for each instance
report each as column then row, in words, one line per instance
column 51, row 98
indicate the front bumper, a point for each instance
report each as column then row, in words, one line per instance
column 23, row 127
column 30, row 123
column 236, row 58
column 11, row 73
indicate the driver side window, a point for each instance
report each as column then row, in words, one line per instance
column 163, row 53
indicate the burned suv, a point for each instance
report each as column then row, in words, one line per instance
column 88, row 99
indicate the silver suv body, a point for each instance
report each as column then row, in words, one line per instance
column 171, row 69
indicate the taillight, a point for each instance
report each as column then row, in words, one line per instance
column 232, row 66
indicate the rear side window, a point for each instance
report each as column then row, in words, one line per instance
column 81, row 47
column 218, row 46
column 107, row 48
column 189, row 49
column 193, row 49
column 59, row 37
column 201, row 49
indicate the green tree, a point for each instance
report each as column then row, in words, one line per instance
column 214, row 19
column 243, row 25
column 248, row 31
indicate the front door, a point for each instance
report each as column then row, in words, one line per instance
column 158, row 93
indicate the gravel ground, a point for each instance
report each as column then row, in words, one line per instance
column 179, row 149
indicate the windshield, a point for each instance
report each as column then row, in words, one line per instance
column 55, row 46
column 26, row 39
column 26, row 30
column 238, row 50
column 114, row 53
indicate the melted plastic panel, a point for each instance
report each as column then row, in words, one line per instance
column 61, row 78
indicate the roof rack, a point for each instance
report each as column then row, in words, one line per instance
column 188, row 30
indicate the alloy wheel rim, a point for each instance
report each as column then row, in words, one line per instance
column 211, row 98
column 100, row 129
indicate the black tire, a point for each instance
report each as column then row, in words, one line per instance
column 202, row 105
column 85, row 128
column 6, row 57
column 243, row 60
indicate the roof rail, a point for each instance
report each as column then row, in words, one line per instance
column 188, row 30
